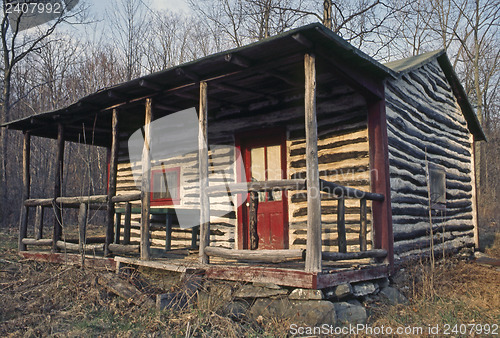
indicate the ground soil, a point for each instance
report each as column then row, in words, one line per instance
column 43, row 299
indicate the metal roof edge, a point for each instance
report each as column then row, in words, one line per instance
column 355, row 51
column 410, row 66
column 328, row 33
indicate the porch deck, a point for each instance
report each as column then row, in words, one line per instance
column 289, row 274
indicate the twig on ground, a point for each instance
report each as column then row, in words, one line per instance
column 46, row 281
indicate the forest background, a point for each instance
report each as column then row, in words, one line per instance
column 99, row 44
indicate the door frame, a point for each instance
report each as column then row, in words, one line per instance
column 267, row 135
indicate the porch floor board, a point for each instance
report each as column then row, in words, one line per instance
column 289, row 274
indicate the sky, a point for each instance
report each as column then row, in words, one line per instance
column 171, row 4
column 174, row 5
column 99, row 8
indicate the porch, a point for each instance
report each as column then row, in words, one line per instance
column 262, row 82
column 282, row 267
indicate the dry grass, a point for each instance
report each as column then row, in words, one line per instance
column 45, row 299
column 42, row 299
column 493, row 250
column 455, row 292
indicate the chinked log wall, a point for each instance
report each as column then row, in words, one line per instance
column 422, row 112
column 343, row 158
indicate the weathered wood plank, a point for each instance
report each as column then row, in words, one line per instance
column 203, row 172
column 124, row 289
column 254, row 237
column 273, row 256
column 245, row 187
column 342, row 243
column 113, row 165
column 23, row 224
column 162, row 265
column 146, row 183
column 351, row 276
column 313, row 247
column 285, row 277
column 362, row 225
column 69, row 258
column 58, row 175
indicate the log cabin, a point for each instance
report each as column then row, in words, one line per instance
column 297, row 160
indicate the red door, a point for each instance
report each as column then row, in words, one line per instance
column 264, row 158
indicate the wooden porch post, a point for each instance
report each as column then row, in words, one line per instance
column 23, row 224
column 313, row 246
column 82, row 227
column 380, row 180
column 58, row 175
column 203, row 169
column 146, row 183
column 113, row 160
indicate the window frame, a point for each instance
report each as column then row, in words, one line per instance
column 436, row 204
column 165, row 201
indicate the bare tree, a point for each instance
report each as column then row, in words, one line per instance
column 243, row 21
column 129, row 21
column 16, row 46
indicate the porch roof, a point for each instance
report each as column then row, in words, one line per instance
column 239, row 79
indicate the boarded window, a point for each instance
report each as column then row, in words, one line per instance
column 437, row 183
column 165, row 186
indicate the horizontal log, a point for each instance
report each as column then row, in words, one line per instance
column 76, row 247
column 346, row 192
column 88, row 240
column 414, row 234
column 126, row 197
column 37, row 242
column 82, row 199
column 123, row 248
column 67, row 201
column 239, row 188
column 272, row 256
column 339, row 256
column 33, row 202
column 77, row 200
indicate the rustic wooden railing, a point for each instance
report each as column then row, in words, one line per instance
column 84, row 203
column 276, row 256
